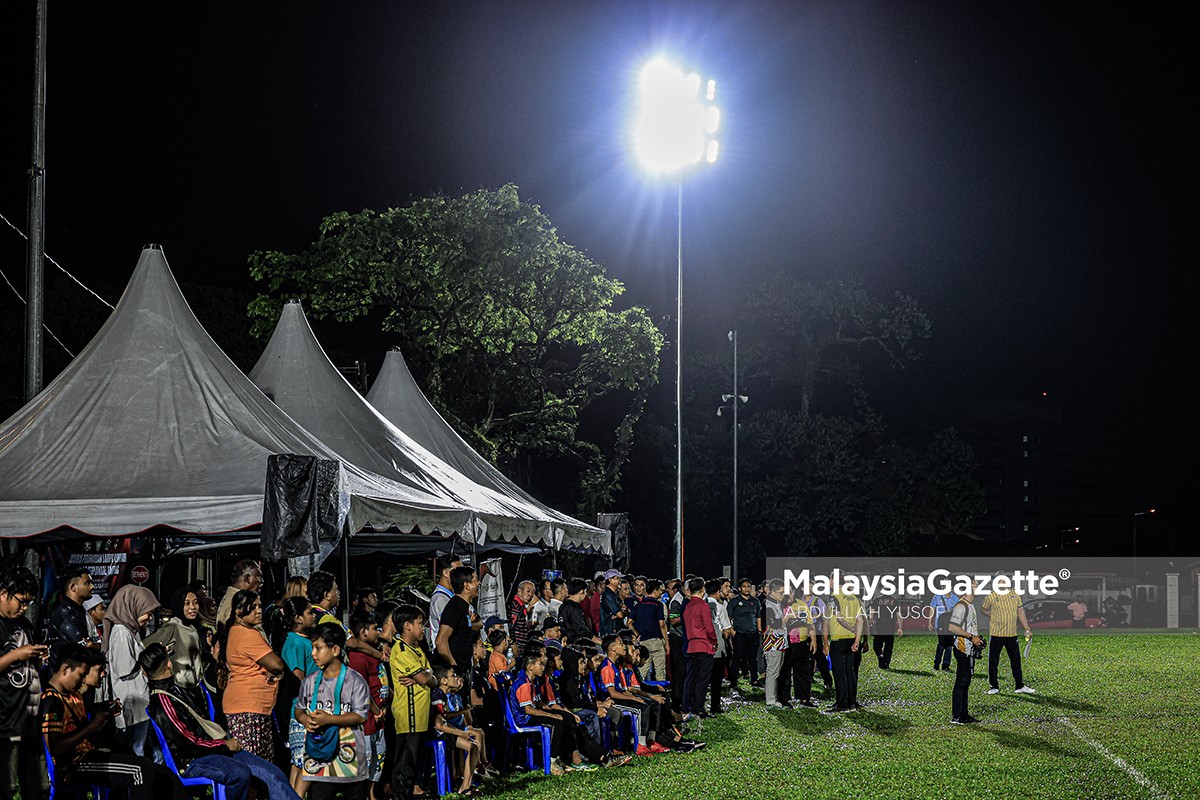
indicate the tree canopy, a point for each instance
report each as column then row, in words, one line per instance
column 512, row 331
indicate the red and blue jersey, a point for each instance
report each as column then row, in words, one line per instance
column 524, row 695
column 612, row 677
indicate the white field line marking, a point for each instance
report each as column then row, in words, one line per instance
column 1145, row 782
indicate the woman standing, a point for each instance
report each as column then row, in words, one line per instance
column 180, row 635
column 254, row 670
column 129, row 610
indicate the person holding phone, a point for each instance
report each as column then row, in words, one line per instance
column 21, row 760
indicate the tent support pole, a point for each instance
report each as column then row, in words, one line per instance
column 346, row 577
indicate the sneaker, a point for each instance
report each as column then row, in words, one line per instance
column 618, row 761
column 1026, row 690
column 994, row 690
column 583, row 766
column 838, row 710
column 655, row 747
column 643, row 750
column 694, row 745
column 775, row 705
column 684, row 747
column 556, row 769
column 807, row 704
column 967, row 720
column 957, row 721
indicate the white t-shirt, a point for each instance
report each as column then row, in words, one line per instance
column 965, row 617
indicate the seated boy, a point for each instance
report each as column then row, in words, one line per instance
column 68, row 731
column 199, row 747
column 453, row 722
column 651, row 711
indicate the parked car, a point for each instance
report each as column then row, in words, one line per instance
column 1043, row 614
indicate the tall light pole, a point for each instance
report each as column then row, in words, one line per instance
column 675, row 129
column 1137, row 514
column 736, row 400
column 35, row 276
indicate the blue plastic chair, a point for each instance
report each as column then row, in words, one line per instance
column 212, row 709
column 528, row 732
column 71, row 789
column 218, row 790
column 631, row 720
column 441, row 766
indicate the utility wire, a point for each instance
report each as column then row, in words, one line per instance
column 55, row 263
column 44, row 325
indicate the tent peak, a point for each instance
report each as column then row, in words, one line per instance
column 152, row 246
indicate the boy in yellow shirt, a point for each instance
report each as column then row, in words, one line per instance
column 412, row 686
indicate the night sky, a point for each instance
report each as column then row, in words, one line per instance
column 1017, row 168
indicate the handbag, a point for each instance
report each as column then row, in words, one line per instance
column 322, row 745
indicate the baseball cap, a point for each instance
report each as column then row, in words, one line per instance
column 612, row 573
column 492, row 620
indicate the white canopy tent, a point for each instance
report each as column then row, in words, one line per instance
column 397, row 397
column 152, row 425
column 296, row 373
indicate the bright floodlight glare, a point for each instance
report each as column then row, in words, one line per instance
column 674, row 127
column 711, row 155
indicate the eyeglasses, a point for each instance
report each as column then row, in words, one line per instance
column 23, row 602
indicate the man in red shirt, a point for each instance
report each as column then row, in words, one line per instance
column 701, row 644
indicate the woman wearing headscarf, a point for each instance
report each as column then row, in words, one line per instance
column 181, row 636
column 254, row 670
column 130, row 609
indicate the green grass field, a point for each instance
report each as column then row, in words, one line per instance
column 1114, row 717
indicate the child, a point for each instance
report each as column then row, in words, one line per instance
column 479, row 676
column 453, row 723
column 295, row 616
column 650, row 711
column 529, row 707
column 499, row 660
column 365, row 627
column 335, row 700
column 412, row 681
column 576, row 693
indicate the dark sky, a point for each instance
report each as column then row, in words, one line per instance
column 1018, row 168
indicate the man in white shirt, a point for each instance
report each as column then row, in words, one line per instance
column 441, row 595
column 719, row 591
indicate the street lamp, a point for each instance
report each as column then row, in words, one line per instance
column 734, row 400
column 675, row 128
column 1137, row 514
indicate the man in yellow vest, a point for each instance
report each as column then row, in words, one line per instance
column 842, row 638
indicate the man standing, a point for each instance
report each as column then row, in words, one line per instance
column 441, row 595
column 676, row 639
column 942, row 604
column 456, row 633
column 68, row 623
column 802, row 647
column 701, row 644
column 21, row 760
column 612, row 609
column 519, row 617
column 575, row 624
column 964, row 626
column 842, row 638
column 245, row 575
column 1078, row 611
column 774, row 641
column 650, row 623
column 1003, row 609
column 743, row 614
column 719, row 591
column 887, row 628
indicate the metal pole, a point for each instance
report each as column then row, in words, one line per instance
column 679, row 378
column 735, row 574
column 35, row 275
column 346, row 577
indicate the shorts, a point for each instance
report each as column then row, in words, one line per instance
column 376, row 753
column 295, row 742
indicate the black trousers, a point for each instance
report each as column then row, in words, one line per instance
column 22, row 763
column 406, row 758
column 745, row 657
column 714, row 684
column 945, row 646
column 1011, row 646
column 822, row 665
column 695, row 684
column 562, row 733
column 140, row 778
column 796, row 680
column 678, row 665
column 883, row 649
column 962, row 682
column 845, row 675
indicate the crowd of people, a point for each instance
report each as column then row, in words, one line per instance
column 280, row 694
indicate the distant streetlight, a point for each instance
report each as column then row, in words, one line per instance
column 1137, row 514
column 676, row 128
column 734, row 400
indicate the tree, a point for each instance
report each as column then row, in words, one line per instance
column 803, row 333
column 512, row 331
